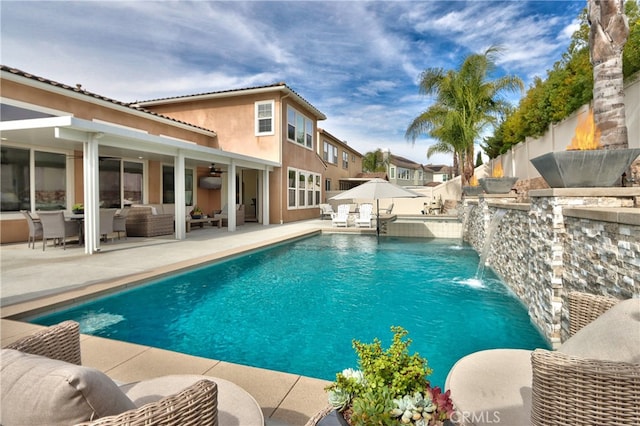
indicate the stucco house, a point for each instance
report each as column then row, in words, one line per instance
column 63, row 145
column 343, row 163
column 405, row 172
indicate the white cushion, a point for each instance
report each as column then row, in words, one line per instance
column 614, row 336
column 236, row 407
column 40, row 391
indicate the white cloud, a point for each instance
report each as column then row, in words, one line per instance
column 358, row 62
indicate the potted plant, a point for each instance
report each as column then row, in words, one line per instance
column 497, row 183
column 78, row 208
column 389, row 388
column 196, row 213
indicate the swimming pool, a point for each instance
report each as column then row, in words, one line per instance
column 296, row 307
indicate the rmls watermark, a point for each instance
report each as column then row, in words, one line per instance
column 473, row 417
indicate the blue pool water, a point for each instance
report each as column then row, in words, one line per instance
column 296, row 307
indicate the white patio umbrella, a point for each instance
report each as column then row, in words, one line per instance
column 375, row 189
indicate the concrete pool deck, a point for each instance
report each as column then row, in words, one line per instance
column 34, row 281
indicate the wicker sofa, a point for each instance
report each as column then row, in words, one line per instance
column 593, row 377
column 43, row 382
column 148, row 221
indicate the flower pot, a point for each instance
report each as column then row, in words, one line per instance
column 500, row 185
column 472, row 190
column 584, row 169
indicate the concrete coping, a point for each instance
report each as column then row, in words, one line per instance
column 622, row 215
column 586, row 192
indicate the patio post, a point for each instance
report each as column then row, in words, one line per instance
column 180, row 227
column 91, row 193
column 231, row 197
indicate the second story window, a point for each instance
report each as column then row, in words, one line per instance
column 264, row 118
column 330, row 153
column 345, row 160
column 299, row 128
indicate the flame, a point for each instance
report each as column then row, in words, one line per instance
column 497, row 171
column 473, row 181
column 587, row 135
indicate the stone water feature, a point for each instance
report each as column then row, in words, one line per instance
column 584, row 239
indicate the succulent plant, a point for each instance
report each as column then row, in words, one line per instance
column 339, row 399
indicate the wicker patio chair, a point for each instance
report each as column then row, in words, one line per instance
column 61, row 342
column 573, row 390
column 194, row 402
column 568, row 386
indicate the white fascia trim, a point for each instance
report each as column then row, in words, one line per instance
column 233, row 93
column 77, row 129
column 103, row 103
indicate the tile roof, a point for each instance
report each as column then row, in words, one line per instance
column 79, row 90
column 233, row 92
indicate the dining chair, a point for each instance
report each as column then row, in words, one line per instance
column 106, row 222
column 120, row 222
column 54, row 226
column 35, row 229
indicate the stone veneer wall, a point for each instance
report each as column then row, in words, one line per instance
column 564, row 240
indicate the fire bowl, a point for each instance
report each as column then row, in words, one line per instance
column 472, row 190
column 500, row 185
column 584, row 169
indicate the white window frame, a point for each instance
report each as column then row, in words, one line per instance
column 259, row 118
column 310, row 192
column 307, row 124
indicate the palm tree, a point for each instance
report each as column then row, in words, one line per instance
column 374, row 161
column 467, row 101
column 607, row 37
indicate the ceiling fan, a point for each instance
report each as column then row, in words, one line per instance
column 215, row 171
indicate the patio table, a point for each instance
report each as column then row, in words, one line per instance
column 202, row 221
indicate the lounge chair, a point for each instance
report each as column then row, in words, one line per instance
column 55, row 227
column 35, row 229
column 364, row 216
column 341, row 218
column 326, row 211
column 43, row 382
column 593, row 378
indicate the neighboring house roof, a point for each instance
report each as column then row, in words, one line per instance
column 433, row 183
column 439, row 168
column 380, row 175
column 404, row 162
column 277, row 87
column 343, row 143
column 93, row 97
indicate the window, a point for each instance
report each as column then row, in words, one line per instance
column 327, row 184
column 304, row 189
column 168, row 193
column 392, row 172
column 15, row 183
column 292, row 188
column 264, row 118
column 345, row 160
column 121, row 183
column 330, row 153
column 299, row 128
column 404, row 174
column 50, row 180
column 317, row 190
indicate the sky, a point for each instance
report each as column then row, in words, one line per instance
column 358, row 62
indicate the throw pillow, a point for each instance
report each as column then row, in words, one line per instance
column 36, row 390
column 614, row 336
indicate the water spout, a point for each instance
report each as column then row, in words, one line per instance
column 493, row 226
